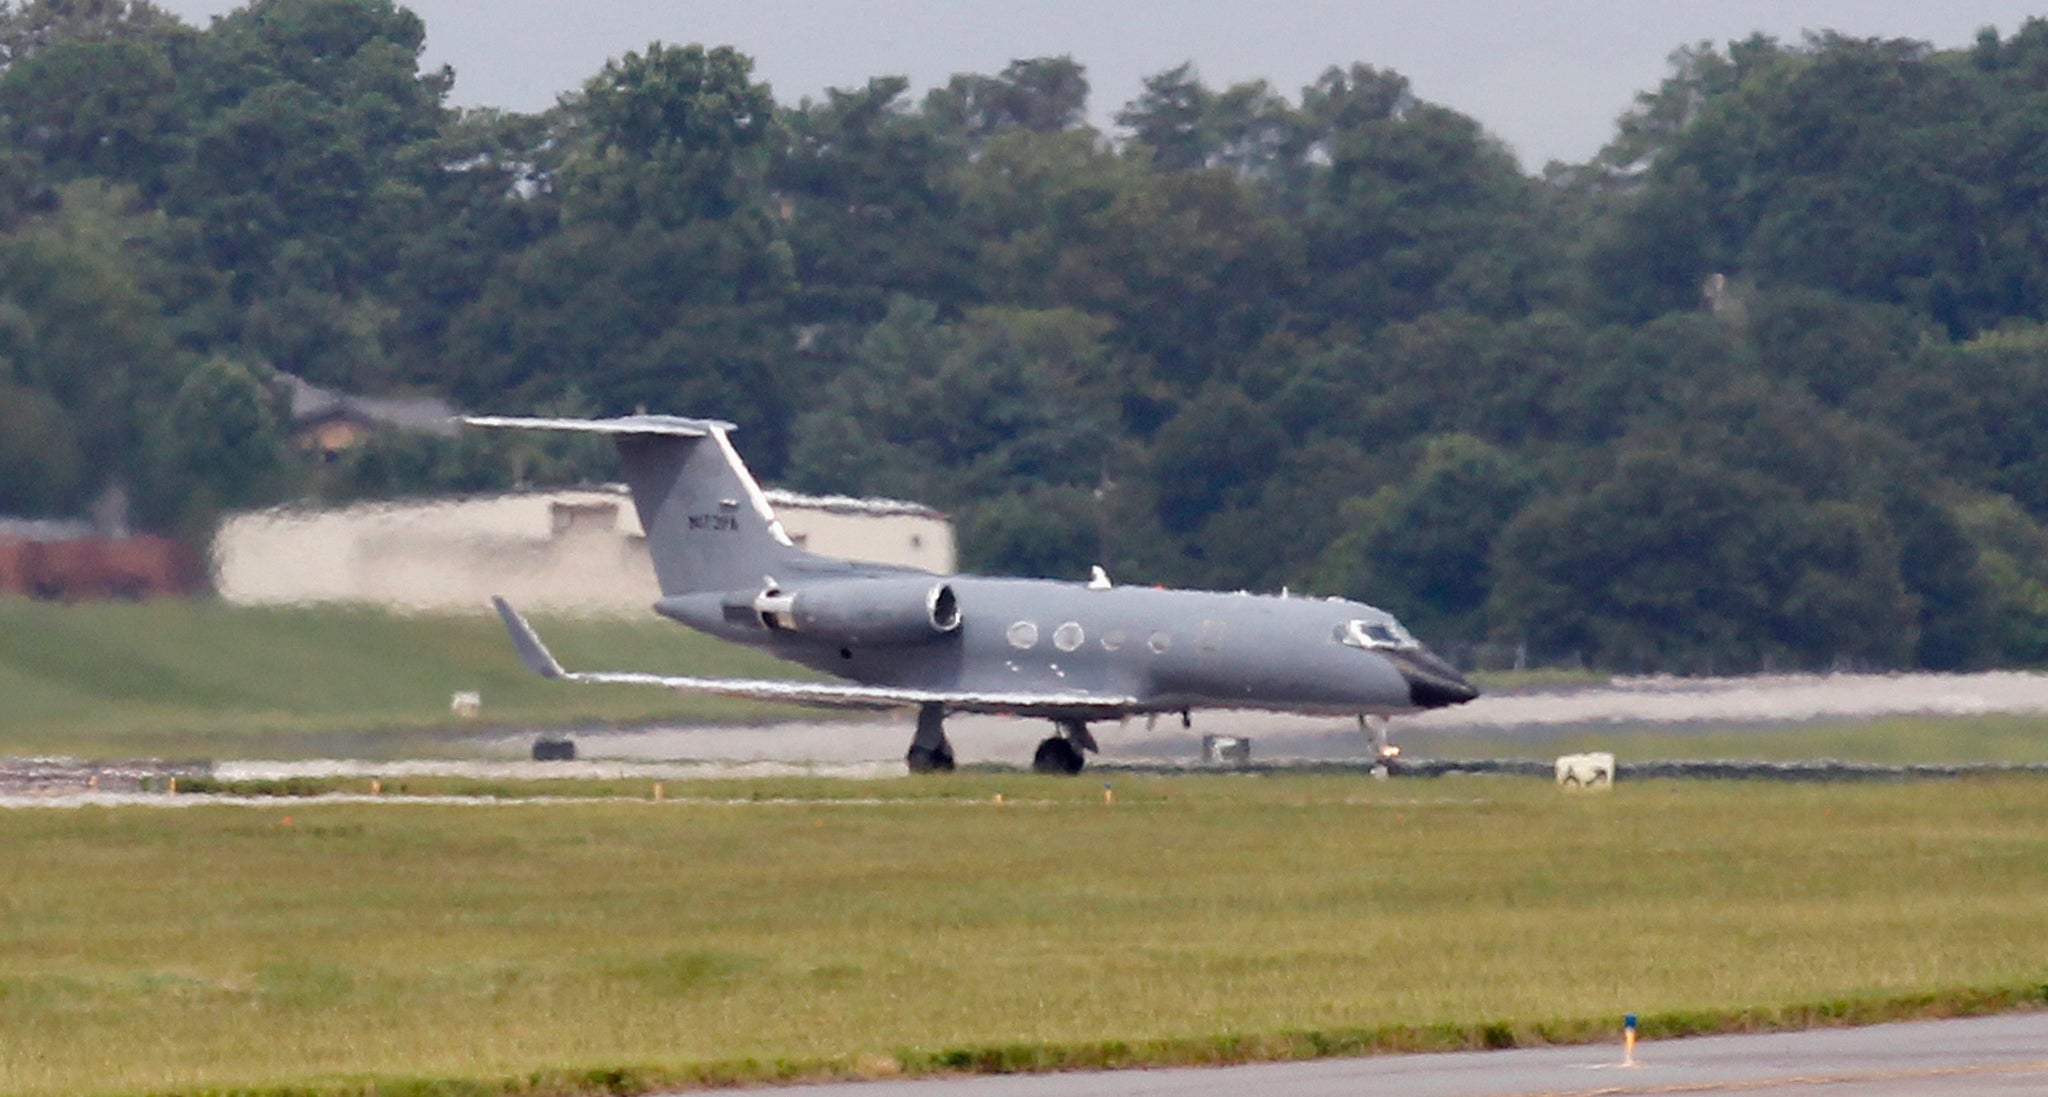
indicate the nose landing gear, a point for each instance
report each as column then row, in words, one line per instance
column 1384, row 753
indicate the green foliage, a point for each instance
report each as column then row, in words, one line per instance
column 1977, row 408
column 218, row 448
column 1038, row 94
column 102, row 108
column 1874, row 169
column 874, row 205
column 2012, row 565
column 953, row 413
column 1426, row 544
column 79, row 324
column 41, row 469
column 670, row 137
column 303, row 114
column 1413, row 196
column 1214, row 454
column 1188, row 266
column 1673, row 560
column 1762, row 382
column 1050, row 533
column 1835, row 346
column 667, row 283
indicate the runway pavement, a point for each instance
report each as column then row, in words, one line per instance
column 1674, row 704
column 874, row 746
column 1992, row 1056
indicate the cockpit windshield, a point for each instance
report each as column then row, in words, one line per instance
column 1387, row 634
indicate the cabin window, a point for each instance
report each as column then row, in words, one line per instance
column 1023, row 635
column 1387, row 634
column 1113, row 639
column 1067, row 637
column 1160, row 641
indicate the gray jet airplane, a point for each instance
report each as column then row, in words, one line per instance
column 1073, row 653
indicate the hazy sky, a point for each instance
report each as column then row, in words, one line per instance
column 1549, row 78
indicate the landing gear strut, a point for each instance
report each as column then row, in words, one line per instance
column 1384, row 753
column 1061, row 754
column 930, row 752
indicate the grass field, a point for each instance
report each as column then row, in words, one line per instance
column 200, row 679
column 1898, row 740
column 811, row 928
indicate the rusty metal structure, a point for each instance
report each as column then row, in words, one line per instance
column 90, row 568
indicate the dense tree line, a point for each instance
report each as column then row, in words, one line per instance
column 1764, row 383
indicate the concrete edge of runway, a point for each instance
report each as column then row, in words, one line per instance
column 1983, row 1054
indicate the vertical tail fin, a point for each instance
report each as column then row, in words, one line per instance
column 708, row 525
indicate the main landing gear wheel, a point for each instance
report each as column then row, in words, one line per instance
column 1057, row 755
column 930, row 752
column 1062, row 753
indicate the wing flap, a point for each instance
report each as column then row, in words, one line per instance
column 539, row 660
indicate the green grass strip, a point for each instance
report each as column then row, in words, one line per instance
column 186, row 679
column 799, row 928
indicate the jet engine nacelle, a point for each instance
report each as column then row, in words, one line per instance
column 866, row 611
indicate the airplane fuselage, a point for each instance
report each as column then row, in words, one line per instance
column 1171, row 649
column 1069, row 652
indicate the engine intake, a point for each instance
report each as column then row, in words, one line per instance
column 867, row 611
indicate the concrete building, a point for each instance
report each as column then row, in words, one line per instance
column 576, row 550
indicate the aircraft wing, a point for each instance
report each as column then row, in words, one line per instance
column 831, row 694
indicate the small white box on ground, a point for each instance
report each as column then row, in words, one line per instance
column 466, row 703
column 1586, row 771
column 1226, row 750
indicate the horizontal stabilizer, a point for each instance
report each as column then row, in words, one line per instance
column 830, row 694
column 674, row 425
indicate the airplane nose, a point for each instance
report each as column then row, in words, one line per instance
column 1432, row 683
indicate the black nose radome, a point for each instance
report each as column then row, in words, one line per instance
column 1432, row 683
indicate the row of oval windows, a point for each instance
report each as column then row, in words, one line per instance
column 1024, row 635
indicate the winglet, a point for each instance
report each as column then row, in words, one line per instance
column 531, row 651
